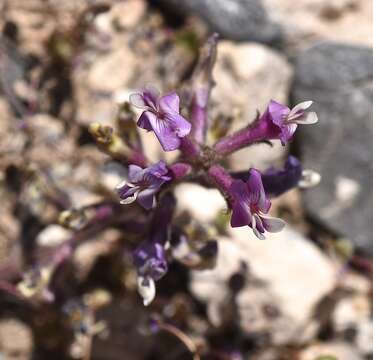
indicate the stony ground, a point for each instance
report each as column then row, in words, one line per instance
column 305, row 293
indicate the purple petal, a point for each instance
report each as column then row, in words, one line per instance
column 170, row 103
column 144, row 120
column 256, row 191
column 160, row 170
column 125, row 191
column 146, row 198
column 287, row 132
column 179, row 124
column 240, row 210
column 277, row 112
column 240, row 215
column 165, row 134
column 277, row 182
column 134, row 173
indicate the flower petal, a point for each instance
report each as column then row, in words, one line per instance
column 165, row 134
column 287, row 132
column 134, row 173
column 253, row 225
column 256, row 191
column 144, row 120
column 240, row 215
column 146, row 198
column 272, row 224
column 137, row 99
column 152, row 91
column 130, row 199
column 170, row 103
column 307, row 119
column 277, row 112
column 179, row 124
column 300, row 107
column 146, row 288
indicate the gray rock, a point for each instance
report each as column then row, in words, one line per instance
column 232, row 19
column 339, row 79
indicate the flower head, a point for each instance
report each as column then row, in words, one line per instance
column 161, row 115
column 281, row 122
column 143, row 184
column 250, row 204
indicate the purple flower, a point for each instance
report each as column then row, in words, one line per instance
column 162, row 115
column 150, row 260
column 150, row 256
column 249, row 204
column 280, row 122
column 277, row 182
column 143, row 184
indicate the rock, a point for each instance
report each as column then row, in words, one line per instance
column 112, row 71
column 204, row 204
column 234, row 19
column 53, row 235
column 337, row 350
column 338, row 79
column 312, row 21
column 247, row 77
column 282, row 261
column 280, row 278
column 16, row 341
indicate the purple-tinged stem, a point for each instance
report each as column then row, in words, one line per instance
column 199, row 115
column 242, row 138
column 221, row 178
column 202, row 83
column 179, row 170
column 138, row 158
column 189, row 148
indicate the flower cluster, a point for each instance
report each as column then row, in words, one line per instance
column 248, row 193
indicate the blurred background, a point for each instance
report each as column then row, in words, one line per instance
column 305, row 293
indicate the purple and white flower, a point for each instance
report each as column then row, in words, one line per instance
column 150, row 257
column 280, row 122
column 143, row 184
column 250, row 204
column 161, row 115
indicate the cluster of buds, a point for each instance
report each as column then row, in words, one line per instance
column 248, row 194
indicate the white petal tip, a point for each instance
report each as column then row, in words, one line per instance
column 310, row 178
column 146, row 288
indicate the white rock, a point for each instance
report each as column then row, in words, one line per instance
column 112, row 71
column 203, row 203
column 53, row 235
column 340, row 351
column 295, row 269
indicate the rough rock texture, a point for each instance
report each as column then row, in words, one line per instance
column 232, row 19
column 286, row 268
column 338, row 79
column 306, row 22
column 16, row 341
column 260, row 74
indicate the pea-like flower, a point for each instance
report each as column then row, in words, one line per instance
column 250, row 204
column 280, row 122
column 162, row 115
column 143, row 184
column 276, row 182
column 149, row 257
